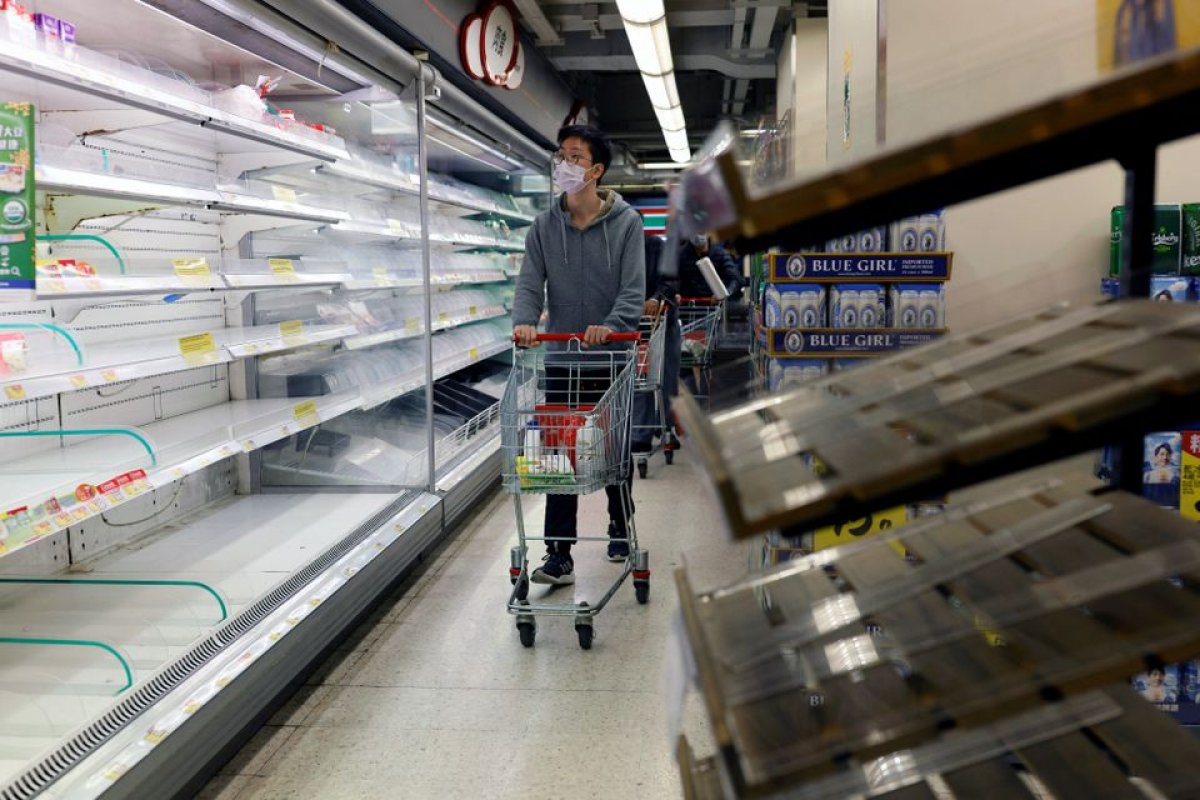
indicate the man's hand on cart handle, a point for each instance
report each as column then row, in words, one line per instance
column 596, row 334
column 525, row 335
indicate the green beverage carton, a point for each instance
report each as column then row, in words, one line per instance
column 1191, row 238
column 17, row 206
column 1168, row 240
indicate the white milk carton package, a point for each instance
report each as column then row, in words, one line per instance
column 918, row 305
column 785, row 372
column 858, row 305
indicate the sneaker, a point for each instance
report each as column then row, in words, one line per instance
column 617, row 550
column 555, row 570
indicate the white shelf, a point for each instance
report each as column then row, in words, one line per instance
column 443, row 280
column 53, row 178
column 79, row 76
column 413, row 327
column 100, row 286
column 125, row 361
column 242, row 548
column 183, row 445
column 415, row 379
column 395, row 180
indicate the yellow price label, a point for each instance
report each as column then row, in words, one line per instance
column 282, row 268
column 412, row 325
column 306, row 413
column 381, row 276
column 396, row 226
column 443, row 317
column 56, row 285
column 292, row 329
column 248, row 446
column 853, row 530
column 79, row 381
column 14, row 391
column 284, row 194
column 193, row 270
column 473, row 311
column 198, row 349
column 474, row 354
column 110, row 376
column 275, row 636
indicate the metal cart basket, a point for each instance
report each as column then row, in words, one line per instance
column 565, row 429
column 700, row 321
column 649, row 383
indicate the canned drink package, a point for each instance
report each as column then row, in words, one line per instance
column 873, row 240
column 772, row 308
column 802, row 305
column 1170, row 288
column 872, row 306
column 786, row 372
column 843, row 304
column 932, row 314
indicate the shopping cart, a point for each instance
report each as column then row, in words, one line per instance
column 648, row 383
column 564, row 429
column 699, row 320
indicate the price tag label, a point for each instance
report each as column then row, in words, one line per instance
column 248, row 446
column 110, row 376
column 284, row 194
column 291, row 329
column 283, row 268
column 306, row 413
column 54, row 286
column 852, row 530
column 396, row 226
column 381, row 276
column 14, row 391
column 412, row 325
column 79, row 381
column 443, row 317
column 198, row 349
column 474, row 353
column 193, row 271
column 473, row 311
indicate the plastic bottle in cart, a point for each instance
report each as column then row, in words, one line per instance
column 533, row 441
column 587, row 451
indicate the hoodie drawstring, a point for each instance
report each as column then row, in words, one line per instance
column 607, row 246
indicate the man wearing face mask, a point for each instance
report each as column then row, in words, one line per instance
column 585, row 265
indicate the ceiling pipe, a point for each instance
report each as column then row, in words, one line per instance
column 760, row 38
column 539, row 23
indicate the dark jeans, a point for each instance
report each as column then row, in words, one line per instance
column 572, row 386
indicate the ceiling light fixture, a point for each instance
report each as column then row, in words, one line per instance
column 646, row 26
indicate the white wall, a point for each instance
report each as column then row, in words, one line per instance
column 853, row 49
column 950, row 62
column 800, row 89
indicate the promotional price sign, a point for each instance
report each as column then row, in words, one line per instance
column 18, row 277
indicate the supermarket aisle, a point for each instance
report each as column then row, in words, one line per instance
column 435, row 697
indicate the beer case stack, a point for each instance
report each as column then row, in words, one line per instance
column 858, row 298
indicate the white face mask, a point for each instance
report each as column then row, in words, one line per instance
column 569, row 177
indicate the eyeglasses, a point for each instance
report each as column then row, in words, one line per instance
column 573, row 158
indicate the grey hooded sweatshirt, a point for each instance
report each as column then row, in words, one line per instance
column 596, row 276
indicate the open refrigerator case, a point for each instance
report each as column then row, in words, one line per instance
column 234, row 404
column 985, row 651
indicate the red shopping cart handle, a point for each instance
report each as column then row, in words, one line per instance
column 699, row 301
column 567, row 337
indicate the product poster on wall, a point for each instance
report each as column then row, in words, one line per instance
column 1129, row 31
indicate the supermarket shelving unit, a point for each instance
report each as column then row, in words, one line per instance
column 786, row 661
column 189, row 514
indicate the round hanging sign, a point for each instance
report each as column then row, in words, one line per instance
column 498, row 45
column 469, row 35
column 516, row 75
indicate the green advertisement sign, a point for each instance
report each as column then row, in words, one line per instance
column 17, row 208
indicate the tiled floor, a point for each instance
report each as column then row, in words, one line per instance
column 435, row 697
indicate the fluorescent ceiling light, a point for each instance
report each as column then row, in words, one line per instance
column 651, row 47
column 662, row 165
column 662, row 90
column 670, row 119
column 642, row 11
column 646, row 26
